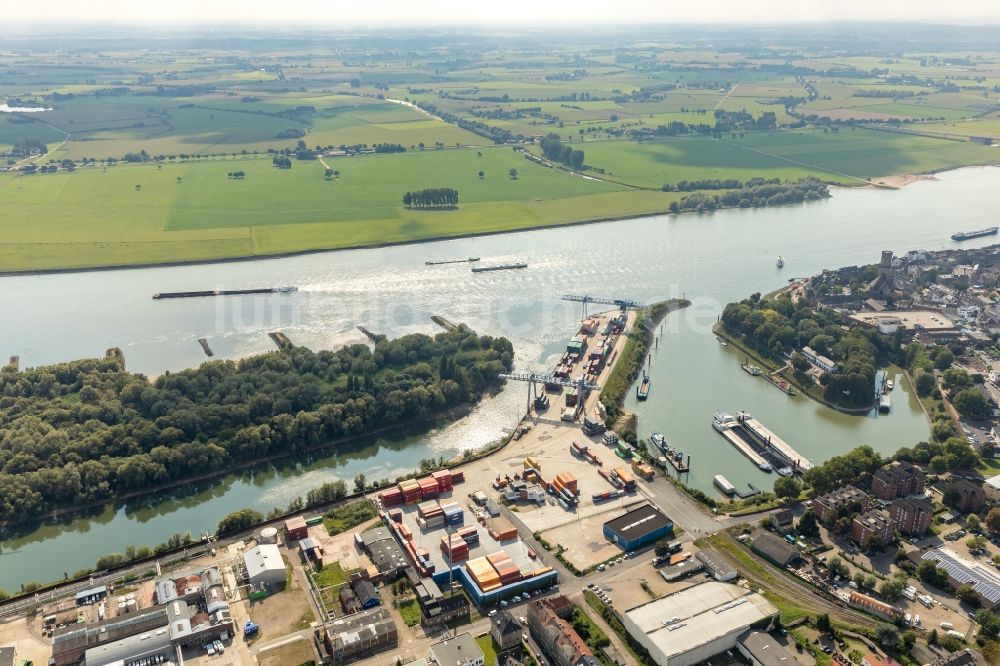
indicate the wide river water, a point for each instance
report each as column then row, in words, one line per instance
column 710, row 259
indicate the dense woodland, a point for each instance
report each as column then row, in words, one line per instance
column 777, row 328
column 88, row 431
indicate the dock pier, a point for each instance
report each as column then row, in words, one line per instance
column 733, row 436
column 280, row 339
column 443, row 323
column 204, row 345
column 780, row 447
column 368, row 334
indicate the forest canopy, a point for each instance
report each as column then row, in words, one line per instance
column 88, row 431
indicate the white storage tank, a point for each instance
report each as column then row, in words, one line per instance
column 268, row 535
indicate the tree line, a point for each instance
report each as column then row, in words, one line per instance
column 436, row 197
column 390, row 148
column 755, row 196
column 717, row 184
column 554, row 149
column 88, row 431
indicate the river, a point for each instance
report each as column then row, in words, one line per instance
column 710, row 259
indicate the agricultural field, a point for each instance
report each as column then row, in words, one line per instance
column 646, row 112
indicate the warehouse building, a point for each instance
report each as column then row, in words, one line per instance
column 264, row 565
column 132, row 649
column 775, row 549
column 716, row 565
column 695, row 624
column 385, row 553
column 638, row 527
column 762, row 649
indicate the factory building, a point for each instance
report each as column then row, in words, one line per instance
column 695, row 624
column 638, row 527
column 264, row 565
column 461, row 650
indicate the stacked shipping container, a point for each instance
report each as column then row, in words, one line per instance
column 505, row 568
column 483, row 574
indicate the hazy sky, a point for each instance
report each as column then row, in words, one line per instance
column 331, row 13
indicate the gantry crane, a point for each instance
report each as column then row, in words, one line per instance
column 533, row 379
column 622, row 303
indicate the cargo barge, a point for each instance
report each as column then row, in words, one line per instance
column 452, row 261
column 722, row 483
column 224, row 292
column 642, row 390
column 499, row 267
column 966, row 235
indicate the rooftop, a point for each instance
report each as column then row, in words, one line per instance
column 686, row 620
column 456, row 650
column 265, row 557
column 984, row 580
column 127, row 649
column 639, row 521
column 775, row 548
column 928, row 320
column 714, row 560
column 766, row 649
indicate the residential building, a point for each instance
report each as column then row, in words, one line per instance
column 912, row 515
column 984, row 579
column 820, row 361
column 557, row 638
column 964, row 495
column 462, row 650
column 964, row 657
column 357, row 636
column 871, row 526
column 898, row 479
column 505, row 630
column 841, row 502
column 697, row 623
column 876, row 660
column 438, row 607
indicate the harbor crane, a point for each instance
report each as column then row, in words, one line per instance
column 534, row 379
column 622, row 303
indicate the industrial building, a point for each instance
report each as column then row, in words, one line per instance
column 366, row 593
column 985, row 580
column 716, row 565
column 71, row 642
column 775, row 549
column 384, row 552
column 695, row 624
column 264, row 565
column 461, row 650
column 360, row 635
column 132, row 649
column 296, row 528
column 639, row 527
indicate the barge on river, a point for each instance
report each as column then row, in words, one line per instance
column 224, row 292
column 979, row 233
column 499, row 267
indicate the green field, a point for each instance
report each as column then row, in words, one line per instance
column 200, row 113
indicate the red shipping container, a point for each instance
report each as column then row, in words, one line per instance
column 457, row 477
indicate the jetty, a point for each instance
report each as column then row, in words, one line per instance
column 368, row 334
column 204, row 345
column 773, row 443
column 223, row 292
column 444, row 323
column 280, row 339
column 452, row 261
column 499, row 267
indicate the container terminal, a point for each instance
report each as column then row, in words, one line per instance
column 224, row 292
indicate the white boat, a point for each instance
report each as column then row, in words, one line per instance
column 888, row 385
column 765, row 467
column 780, row 263
column 722, row 421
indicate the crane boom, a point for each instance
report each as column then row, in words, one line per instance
column 548, row 379
column 622, row 303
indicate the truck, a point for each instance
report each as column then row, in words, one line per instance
column 910, row 592
column 926, row 600
column 250, row 629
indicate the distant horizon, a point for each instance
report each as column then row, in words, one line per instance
column 324, row 15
